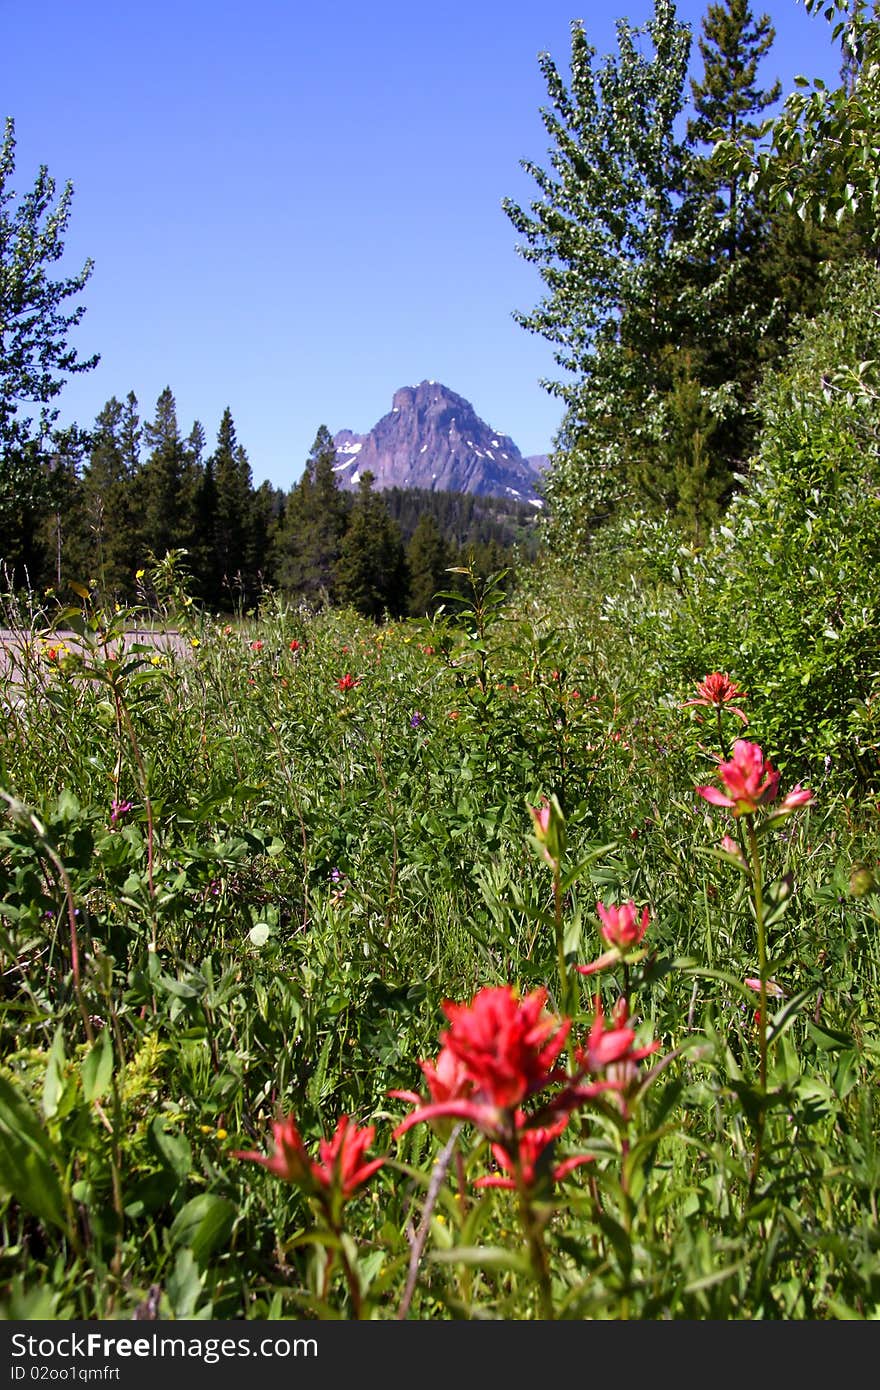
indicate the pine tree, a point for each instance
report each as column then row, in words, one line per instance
column 268, row 519
column 428, row 558
column 308, row 544
column 370, row 574
column 727, row 100
column 169, row 484
column 105, row 544
column 234, row 535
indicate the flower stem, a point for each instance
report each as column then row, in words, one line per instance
column 565, row 981
column 533, row 1231
column 758, row 901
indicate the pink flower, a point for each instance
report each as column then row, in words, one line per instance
column 531, row 1146
column 619, row 925
column 731, row 847
column 718, row 691
column 752, row 781
column 118, row 809
column 770, row 987
column 622, row 930
column 290, row 1160
column 548, row 823
column 541, row 819
column 339, row 1169
column 448, row 1080
column 256, row 646
column 798, row 796
column 508, row 1045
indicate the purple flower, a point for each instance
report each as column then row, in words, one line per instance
column 416, row 718
column 118, row 809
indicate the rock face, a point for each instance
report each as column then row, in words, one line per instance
column 433, row 439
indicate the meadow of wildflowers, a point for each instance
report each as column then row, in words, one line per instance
column 425, row 970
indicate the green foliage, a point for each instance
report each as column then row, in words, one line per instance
column 168, row 485
column 245, row 864
column 100, row 528
column 783, row 593
column 230, row 523
column 819, row 155
column 427, row 560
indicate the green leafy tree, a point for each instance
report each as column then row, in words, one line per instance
column 821, row 153
column 785, row 589
column 609, row 234
column 370, row 573
column 36, row 358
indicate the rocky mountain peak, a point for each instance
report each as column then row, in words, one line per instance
column 433, row 438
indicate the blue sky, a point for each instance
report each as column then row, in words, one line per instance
column 293, row 209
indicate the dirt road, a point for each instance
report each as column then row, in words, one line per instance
column 17, row 647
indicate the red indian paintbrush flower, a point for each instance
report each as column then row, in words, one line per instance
column 532, row 1146
column 718, row 692
column 623, row 931
column 620, row 926
column 751, row 781
column 608, row 1046
column 506, row 1047
column 447, row 1079
column 339, row 1168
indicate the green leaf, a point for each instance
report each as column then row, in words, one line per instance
column 483, row 1257
column 203, row 1225
column 97, row 1067
column 53, row 1083
column 173, row 1150
column 184, row 1285
column 27, row 1169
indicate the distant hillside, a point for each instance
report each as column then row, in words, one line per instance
column 467, row 519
